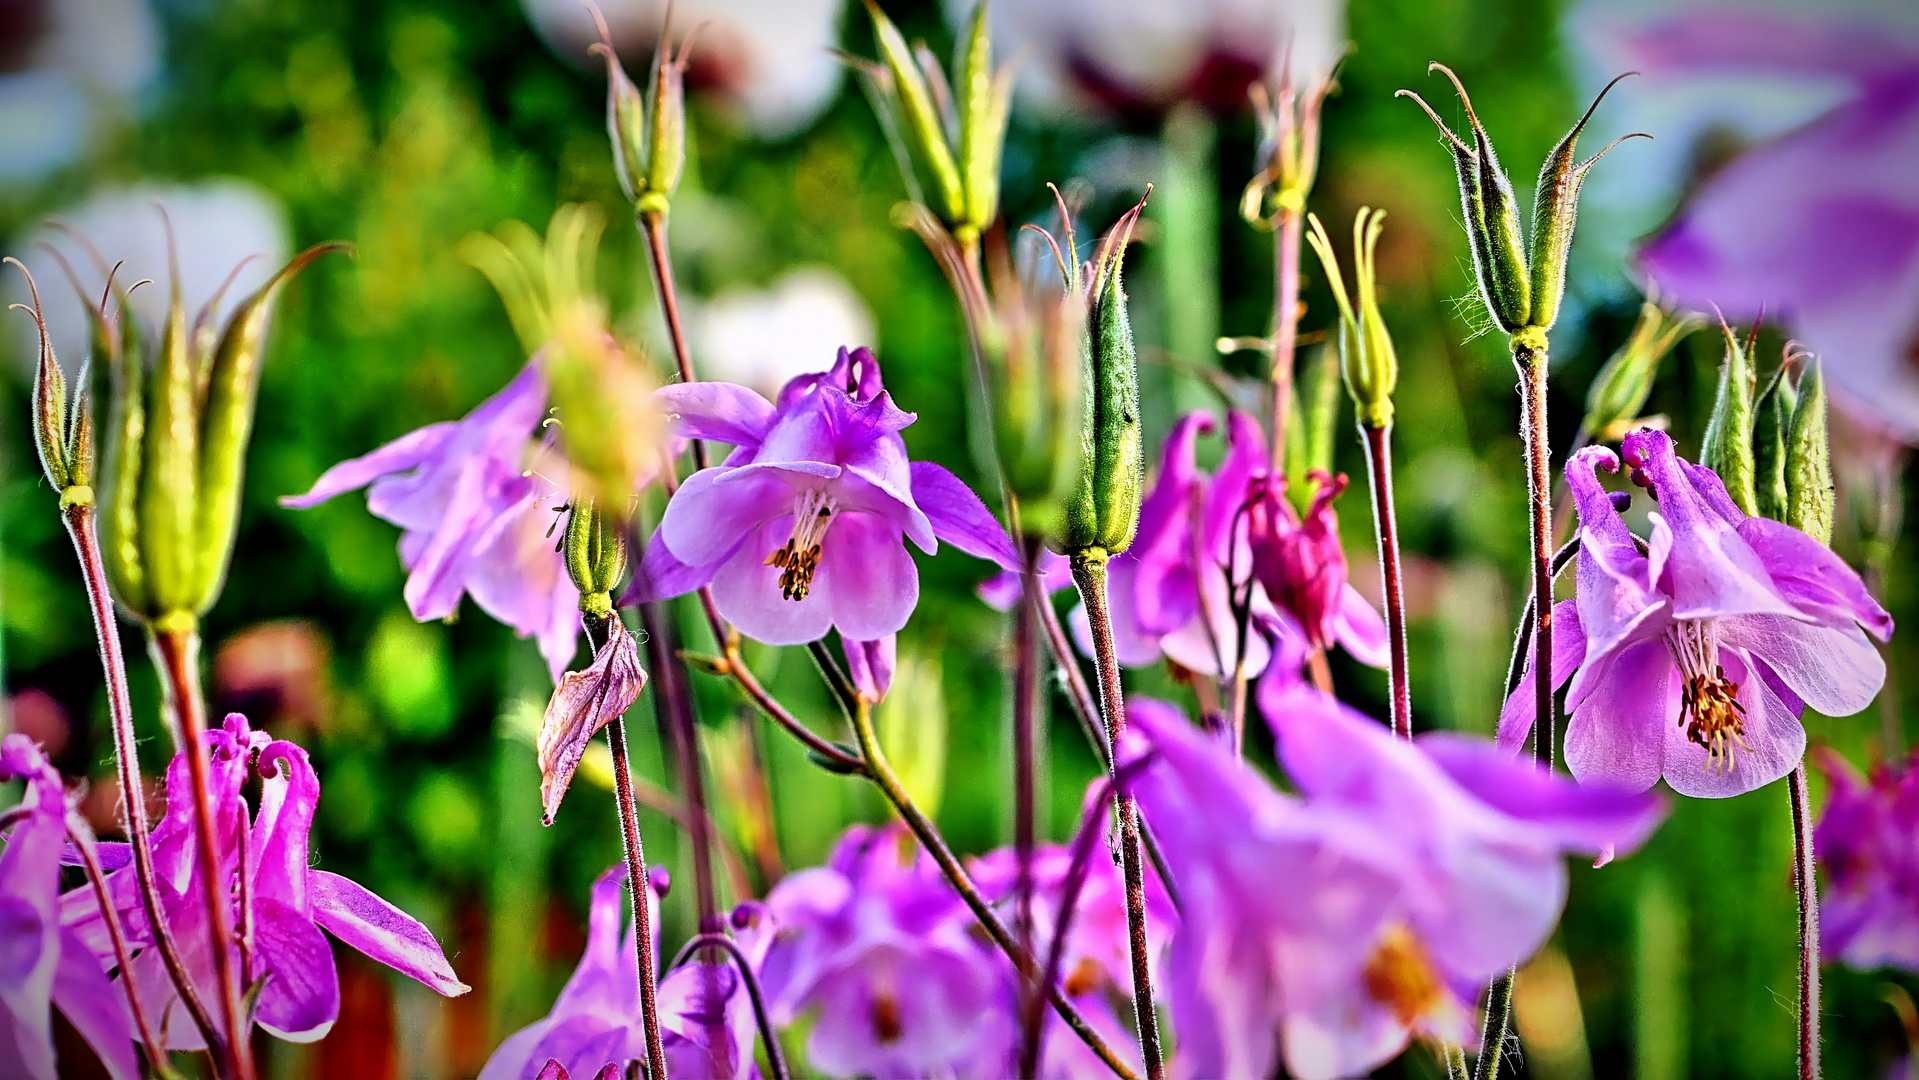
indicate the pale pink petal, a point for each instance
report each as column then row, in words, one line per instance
column 747, row 591
column 1358, row 626
column 1816, row 580
column 1616, row 733
column 405, row 452
column 660, row 576
column 95, row 1006
column 870, row 664
column 1569, row 653
column 1836, row 671
column 715, row 410
column 352, row 913
column 705, row 520
column 867, row 577
column 1774, row 742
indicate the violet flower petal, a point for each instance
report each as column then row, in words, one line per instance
column 662, row 576
column 1569, row 652
column 1359, row 627
column 289, row 795
column 360, row 919
column 705, row 519
column 301, row 998
column 1616, row 734
column 747, row 591
column 870, row 664
column 723, row 412
column 96, row 1006
column 1836, row 670
column 406, row 452
column 868, row 578
column 1815, row 579
column 959, row 517
column 1774, row 741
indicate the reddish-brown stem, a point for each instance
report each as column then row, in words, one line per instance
column 82, row 530
column 90, row 858
column 1379, row 466
column 1286, row 243
column 1025, row 705
column 176, row 651
column 1089, row 574
column 653, row 227
column 1805, row 884
column 636, row 880
column 743, row 676
column 1532, row 387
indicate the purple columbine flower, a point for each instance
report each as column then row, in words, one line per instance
column 1868, row 842
column 595, row 1022
column 582, row 704
column 802, row 528
column 1299, row 561
column 1169, row 590
column 879, row 945
column 1821, row 224
column 1414, row 873
column 280, row 913
column 1692, row 659
column 42, row 963
column 475, row 516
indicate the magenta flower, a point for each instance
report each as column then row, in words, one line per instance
column 42, row 963
column 281, row 912
column 475, row 517
column 1868, row 841
column 802, row 528
column 1820, row 225
column 595, row 1022
column 1693, row 660
column 1300, row 561
column 880, row 946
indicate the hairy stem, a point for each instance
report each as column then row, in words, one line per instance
column 1025, row 704
column 929, row 839
column 1806, row 886
column 1286, row 243
column 1379, row 467
column 1089, row 574
column 82, row 529
column 1532, row 383
column 176, row 653
column 636, row 880
column 90, row 857
column 653, row 227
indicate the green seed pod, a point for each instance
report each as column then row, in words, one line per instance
column 1727, row 447
column 1771, row 427
column 925, row 134
column 1367, row 360
column 1033, row 346
column 1555, row 210
column 1104, row 511
column 49, row 397
column 1620, row 390
column 625, row 116
column 118, row 363
column 226, row 426
column 595, row 549
column 170, row 469
column 666, row 142
column 1809, row 492
column 985, row 99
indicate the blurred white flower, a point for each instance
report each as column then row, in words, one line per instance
column 774, row 57
column 1145, row 55
column 217, row 224
column 64, row 65
column 762, row 338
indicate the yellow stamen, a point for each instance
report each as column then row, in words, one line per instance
column 1401, row 977
column 1709, row 707
column 799, row 559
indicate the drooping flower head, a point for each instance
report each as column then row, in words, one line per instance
column 1298, row 560
column 1868, row 843
column 286, row 903
column 878, row 943
column 1692, row 658
column 803, row 527
column 44, row 965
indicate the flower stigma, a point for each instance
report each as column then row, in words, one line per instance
column 799, row 559
column 1709, row 707
column 1401, row 977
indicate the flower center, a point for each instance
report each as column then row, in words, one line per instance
column 1086, row 975
column 1400, row 977
column 1709, row 707
column 800, row 558
column 886, row 1017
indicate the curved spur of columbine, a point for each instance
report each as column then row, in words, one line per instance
column 1869, row 915
column 1169, row 590
column 803, row 527
column 473, row 516
column 583, row 703
column 43, row 964
column 1414, row 873
column 595, row 1022
column 290, row 903
column 880, row 947
column 1692, row 659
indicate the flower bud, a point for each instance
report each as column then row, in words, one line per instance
column 1809, row 491
column 1727, row 447
column 985, row 98
column 595, row 548
column 1622, row 386
column 909, row 96
column 1104, row 510
column 1771, row 427
column 1367, row 360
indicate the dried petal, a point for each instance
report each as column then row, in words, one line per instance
column 583, row 703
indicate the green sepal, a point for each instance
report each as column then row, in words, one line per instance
column 1727, row 447
column 226, row 426
column 924, row 130
column 1771, row 427
column 1104, row 511
column 1809, row 491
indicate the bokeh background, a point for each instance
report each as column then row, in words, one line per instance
column 403, row 127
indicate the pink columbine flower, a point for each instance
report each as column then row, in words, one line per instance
column 595, row 1022
column 44, row 964
column 1299, row 560
column 287, row 902
column 802, row 528
column 1868, row 842
column 881, row 947
column 476, row 518
column 1692, row 659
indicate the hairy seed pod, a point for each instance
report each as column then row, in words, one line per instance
column 1104, row 511
column 1809, row 492
column 1727, row 447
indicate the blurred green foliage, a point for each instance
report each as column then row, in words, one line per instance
column 405, row 126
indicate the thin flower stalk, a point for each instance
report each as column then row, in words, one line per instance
column 1530, row 358
column 176, row 654
column 1089, row 575
column 1379, row 468
column 929, row 838
column 1806, row 888
column 635, row 852
column 653, row 228
column 1288, row 235
column 1025, row 709
column 82, row 530
column 82, row 839
column 769, row 1037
